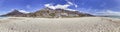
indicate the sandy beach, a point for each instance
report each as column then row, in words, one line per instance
column 82, row 24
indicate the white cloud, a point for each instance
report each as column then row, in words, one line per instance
column 28, row 6
column 72, row 3
column 23, row 11
column 65, row 6
column 71, row 9
column 57, row 6
column 69, row 2
column 76, row 6
column 109, row 13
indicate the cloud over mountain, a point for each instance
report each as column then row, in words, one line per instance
column 23, row 11
column 59, row 6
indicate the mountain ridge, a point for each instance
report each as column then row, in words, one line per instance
column 47, row 12
column 15, row 13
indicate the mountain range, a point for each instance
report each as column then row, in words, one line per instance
column 48, row 12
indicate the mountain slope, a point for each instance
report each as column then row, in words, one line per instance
column 47, row 12
column 15, row 13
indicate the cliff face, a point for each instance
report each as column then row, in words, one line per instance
column 47, row 12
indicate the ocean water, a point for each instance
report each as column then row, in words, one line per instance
column 2, row 17
column 115, row 17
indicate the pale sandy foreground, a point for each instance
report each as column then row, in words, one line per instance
column 83, row 24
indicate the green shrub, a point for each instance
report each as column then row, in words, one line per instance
column 52, row 14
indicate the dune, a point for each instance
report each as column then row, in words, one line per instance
column 82, row 24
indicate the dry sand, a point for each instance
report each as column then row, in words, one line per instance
column 83, row 24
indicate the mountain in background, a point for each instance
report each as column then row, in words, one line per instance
column 47, row 12
column 15, row 13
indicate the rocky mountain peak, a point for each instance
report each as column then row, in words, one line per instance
column 15, row 12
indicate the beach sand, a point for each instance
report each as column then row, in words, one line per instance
column 81, row 24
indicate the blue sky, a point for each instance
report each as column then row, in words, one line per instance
column 88, row 6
